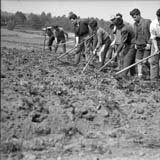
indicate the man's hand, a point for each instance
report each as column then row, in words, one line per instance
column 148, row 47
column 135, row 46
column 94, row 51
column 67, row 38
column 157, row 51
column 112, row 45
column 115, row 54
column 76, row 44
column 56, row 41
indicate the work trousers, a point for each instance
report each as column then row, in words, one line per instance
column 63, row 41
column 50, row 42
column 155, row 63
column 142, row 53
column 82, row 49
column 127, row 58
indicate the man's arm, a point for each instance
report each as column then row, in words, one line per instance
column 148, row 45
column 77, row 41
column 65, row 33
column 99, row 39
column 55, row 35
column 154, row 42
column 153, row 37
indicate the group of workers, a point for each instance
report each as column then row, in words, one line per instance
column 57, row 34
column 131, row 43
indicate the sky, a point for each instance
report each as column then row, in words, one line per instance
column 102, row 9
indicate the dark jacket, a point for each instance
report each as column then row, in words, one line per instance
column 127, row 36
column 145, row 29
column 81, row 28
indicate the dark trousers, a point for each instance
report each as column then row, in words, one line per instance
column 127, row 58
column 84, row 46
column 50, row 42
column 155, row 63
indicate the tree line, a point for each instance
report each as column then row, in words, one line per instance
column 37, row 22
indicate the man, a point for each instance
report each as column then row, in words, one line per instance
column 155, row 37
column 60, row 37
column 116, row 38
column 51, row 36
column 126, row 50
column 142, row 38
column 81, row 35
column 103, row 41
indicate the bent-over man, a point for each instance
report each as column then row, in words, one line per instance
column 51, row 36
column 126, row 50
column 103, row 41
column 60, row 37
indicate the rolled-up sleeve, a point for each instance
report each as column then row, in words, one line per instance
column 153, row 31
column 124, row 36
column 99, row 38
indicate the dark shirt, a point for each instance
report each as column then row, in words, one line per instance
column 60, row 34
column 127, row 36
column 81, row 28
column 49, row 32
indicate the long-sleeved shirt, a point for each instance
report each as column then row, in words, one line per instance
column 155, row 29
column 101, row 37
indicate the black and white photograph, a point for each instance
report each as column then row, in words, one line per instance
column 80, row 80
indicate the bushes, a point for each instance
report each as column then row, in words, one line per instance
column 11, row 24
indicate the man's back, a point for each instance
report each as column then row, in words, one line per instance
column 128, row 30
column 82, row 29
column 60, row 33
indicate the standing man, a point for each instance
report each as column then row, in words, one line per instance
column 142, row 38
column 49, row 32
column 155, row 37
column 81, row 34
column 103, row 41
column 60, row 37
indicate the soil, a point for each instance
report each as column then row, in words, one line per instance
column 51, row 110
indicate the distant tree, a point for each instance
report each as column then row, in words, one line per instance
column 20, row 17
column 43, row 18
column 3, row 20
column 49, row 15
column 35, row 21
column 5, row 17
column 11, row 23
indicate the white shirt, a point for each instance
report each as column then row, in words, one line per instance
column 155, row 29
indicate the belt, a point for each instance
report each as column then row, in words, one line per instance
column 158, row 38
